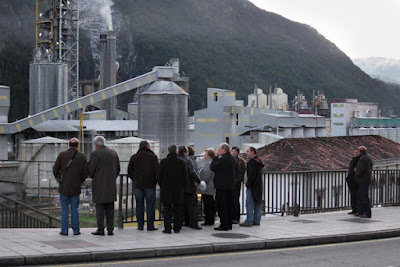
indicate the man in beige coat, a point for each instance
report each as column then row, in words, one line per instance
column 104, row 169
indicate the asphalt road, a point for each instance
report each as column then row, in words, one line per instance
column 383, row 252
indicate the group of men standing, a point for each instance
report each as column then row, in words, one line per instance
column 179, row 179
column 358, row 180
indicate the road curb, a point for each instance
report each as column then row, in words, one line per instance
column 194, row 249
column 123, row 254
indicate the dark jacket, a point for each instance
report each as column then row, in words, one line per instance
column 351, row 175
column 240, row 170
column 75, row 175
column 224, row 169
column 104, row 169
column 143, row 169
column 172, row 176
column 192, row 178
column 364, row 170
column 254, row 178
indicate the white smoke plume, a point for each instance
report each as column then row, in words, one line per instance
column 105, row 11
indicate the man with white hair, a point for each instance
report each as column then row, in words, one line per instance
column 223, row 165
column 104, row 169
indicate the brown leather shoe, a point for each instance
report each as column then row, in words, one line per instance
column 245, row 224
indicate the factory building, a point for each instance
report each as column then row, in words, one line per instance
column 227, row 120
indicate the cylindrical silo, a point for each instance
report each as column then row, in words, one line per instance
column 163, row 115
column 48, row 86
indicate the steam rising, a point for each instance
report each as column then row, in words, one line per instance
column 105, row 11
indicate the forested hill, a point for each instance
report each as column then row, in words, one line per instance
column 228, row 44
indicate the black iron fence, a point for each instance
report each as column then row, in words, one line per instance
column 15, row 214
column 290, row 193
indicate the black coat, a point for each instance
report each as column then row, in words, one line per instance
column 172, row 175
column 364, row 170
column 143, row 169
column 351, row 175
column 192, row 178
column 254, row 178
column 224, row 169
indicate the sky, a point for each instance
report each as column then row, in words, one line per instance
column 360, row 28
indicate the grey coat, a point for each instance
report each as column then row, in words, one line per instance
column 104, row 169
column 207, row 175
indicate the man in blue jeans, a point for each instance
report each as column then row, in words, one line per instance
column 142, row 169
column 254, row 190
column 70, row 188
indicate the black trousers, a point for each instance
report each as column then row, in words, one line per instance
column 224, row 199
column 236, row 202
column 364, row 204
column 354, row 197
column 190, row 209
column 108, row 209
column 209, row 209
column 174, row 210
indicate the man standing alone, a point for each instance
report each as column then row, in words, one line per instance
column 363, row 179
column 172, row 178
column 254, row 188
column 142, row 169
column 74, row 165
column 223, row 165
column 104, row 169
column 351, row 182
column 240, row 170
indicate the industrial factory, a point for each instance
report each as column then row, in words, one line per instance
column 61, row 107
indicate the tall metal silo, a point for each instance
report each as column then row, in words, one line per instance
column 48, row 86
column 163, row 115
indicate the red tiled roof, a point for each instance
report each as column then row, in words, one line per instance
column 323, row 153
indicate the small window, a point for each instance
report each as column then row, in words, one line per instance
column 237, row 119
column 227, row 140
column 215, row 97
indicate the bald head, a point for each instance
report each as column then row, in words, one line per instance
column 73, row 142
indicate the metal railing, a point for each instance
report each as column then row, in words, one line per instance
column 14, row 214
column 291, row 193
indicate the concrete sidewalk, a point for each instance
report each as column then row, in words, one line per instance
column 46, row 246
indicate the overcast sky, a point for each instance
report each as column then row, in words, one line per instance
column 360, row 28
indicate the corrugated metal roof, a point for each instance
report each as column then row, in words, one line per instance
column 46, row 140
column 129, row 140
column 96, row 125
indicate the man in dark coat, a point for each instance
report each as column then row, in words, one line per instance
column 142, row 169
column 223, row 165
column 104, row 169
column 254, row 188
column 172, row 177
column 240, row 170
column 351, row 182
column 363, row 179
column 70, row 187
column 190, row 203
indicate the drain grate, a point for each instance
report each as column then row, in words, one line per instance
column 230, row 235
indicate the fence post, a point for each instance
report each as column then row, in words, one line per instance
column 16, row 223
column 38, row 180
column 120, row 217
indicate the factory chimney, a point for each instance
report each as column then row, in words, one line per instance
column 108, row 70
